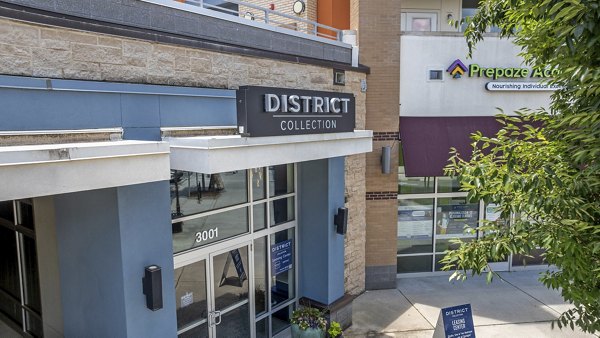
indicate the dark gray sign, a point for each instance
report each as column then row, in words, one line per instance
column 265, row 111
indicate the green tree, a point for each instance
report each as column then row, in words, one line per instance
column 542, row 168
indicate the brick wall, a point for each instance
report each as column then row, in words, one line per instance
column 44, row 51
column 378, row 23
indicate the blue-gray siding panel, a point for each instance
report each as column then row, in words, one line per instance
column 144, row 214
column 141, row 110
column 197, row 111
column 52, row 110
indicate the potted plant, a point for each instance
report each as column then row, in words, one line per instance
column 308, row 322
column 335, row 329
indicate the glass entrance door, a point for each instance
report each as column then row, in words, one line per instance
column 212, row 295
column 230, row 315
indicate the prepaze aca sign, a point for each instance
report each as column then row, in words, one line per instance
column 510, row 72
column 457, row 69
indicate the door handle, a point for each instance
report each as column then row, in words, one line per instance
column 217, row 317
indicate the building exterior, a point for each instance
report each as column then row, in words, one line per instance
column 172, row 170
column 413, row 215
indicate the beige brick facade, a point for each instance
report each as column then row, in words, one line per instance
column 42, row 51
column 378, row 23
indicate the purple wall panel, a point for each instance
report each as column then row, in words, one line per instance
column 426, row 141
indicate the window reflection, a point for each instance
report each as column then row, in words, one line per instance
column 259, row 190
column 453, row 214
column 192, row 193
column 282, row 211
column 259, row 216
column 190, row 294
column 448, row 184
column 260, row 275
column 210, row 229
column 415, row 226
column 421, row 25
column 282, row 272
column 281, row 180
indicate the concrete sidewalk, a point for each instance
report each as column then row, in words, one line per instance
column 517, row 306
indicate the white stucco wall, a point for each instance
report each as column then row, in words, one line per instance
column 466, row 96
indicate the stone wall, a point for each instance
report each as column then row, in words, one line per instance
column 44, row 51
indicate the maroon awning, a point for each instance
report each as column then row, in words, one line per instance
column 426, row 141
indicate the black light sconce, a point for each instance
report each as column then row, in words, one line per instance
column 152, row 287
column 341, row 221
column 386, row 155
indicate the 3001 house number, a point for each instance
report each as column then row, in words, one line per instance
column 205, row 235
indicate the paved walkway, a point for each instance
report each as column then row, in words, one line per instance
column 517, row 306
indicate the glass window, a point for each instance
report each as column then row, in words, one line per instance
column 210, row 229
column 190, row 297
column 412, row 185
column 259, row 216
column 260, row 275
column 235, row 323
column 7, row 212
column 421, row 25
column 259, row 190
column 282, row 267
column 9, row 268
column 414, row 263
column 453, row 214
column 435, row 74
column 442, row 244
column 282, row 210
column 415, row 226
column 281, row 319
column 25, row 214
column 31, row 276
column 192, row 193
column 448, row 184
column 262, row 328
column 230, row 278
column 281, row 181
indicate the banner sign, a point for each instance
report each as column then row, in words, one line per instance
column 520, row 86
column 457, row 322
column 265, row 111
column 281, row 257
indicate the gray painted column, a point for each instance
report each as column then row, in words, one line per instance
column 146, row 237
column 47, row 255
column 105, row 239
column 321, row 250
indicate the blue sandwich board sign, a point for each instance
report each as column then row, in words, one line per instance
column 456, row 322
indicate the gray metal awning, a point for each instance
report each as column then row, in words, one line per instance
column 214, row 154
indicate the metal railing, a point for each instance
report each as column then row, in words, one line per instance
column 270, row 17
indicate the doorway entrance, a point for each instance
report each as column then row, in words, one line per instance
column 235, row 253
column 212, row 295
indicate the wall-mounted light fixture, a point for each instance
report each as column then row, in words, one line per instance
column 386, row 155
column 298, row 7
column 152, row 287
column 341, row 221
column 339, row 77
